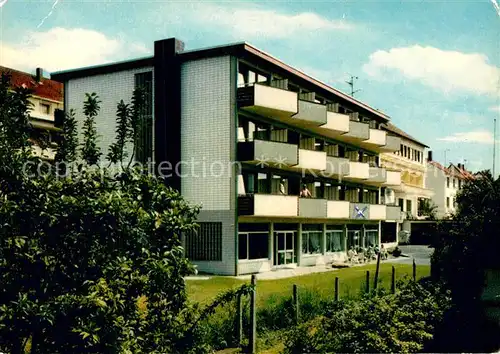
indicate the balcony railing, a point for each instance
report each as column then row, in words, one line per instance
column 358, row 170
column 268, row 101
column 393, row 178
column 337, row 209
column 392, row 143
column 394, row 213
column 357, row 131
column 311, row 113
column 337, row 122
column 312, row 208
column 336, row 166
column 362, row 211
column 312, row 160
column 268, row 152
column 377, row 137
column 268, row 205
column 378, row 175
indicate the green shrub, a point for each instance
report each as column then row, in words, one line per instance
column 403, row 322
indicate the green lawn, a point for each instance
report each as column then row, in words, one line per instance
column 351, row 280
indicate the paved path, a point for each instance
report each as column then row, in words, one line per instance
column 421, row 254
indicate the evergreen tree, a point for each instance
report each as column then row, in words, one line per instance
column 90, row 151
column 67, row 149
column 117, row 150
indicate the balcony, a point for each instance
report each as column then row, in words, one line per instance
column 267, row 205
column 312, row 208
column 337, row 209
column 361, row 211
column 378, row 175
column 377, row 137
column 393, row 178
column 392, row 143
column 268, row 101
column 358, row 171
column 270, row 152
column 322, row 208
column 393, row 212
column 312, row 160
column 357, row 133
column 336, row 166
column 337, row 122
column 311, row 113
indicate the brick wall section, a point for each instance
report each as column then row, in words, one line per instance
column 111, row 88
column 206, row 122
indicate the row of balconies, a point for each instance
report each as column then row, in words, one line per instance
column 284, row 105
column 268, row 205
column 290, row 156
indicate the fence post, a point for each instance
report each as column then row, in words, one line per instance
column 253, row 318
column 393, row 280
column 336, row 288
column 367, row 285
column 296, row 303
column 240, row 319
column 414, row 270
column 375, row 280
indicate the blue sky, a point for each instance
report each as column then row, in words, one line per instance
column 432, row 66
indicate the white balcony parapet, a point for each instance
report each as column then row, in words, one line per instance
column 337, row 209
column 337, row 122
column 363, row 211
column 268, row 101
column 275, row 205
column 312, row 160
column 393, row 178
column 377, row 137
column 358, row 170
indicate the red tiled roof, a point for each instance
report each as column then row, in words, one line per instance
column 463, row 173
column 47, row 88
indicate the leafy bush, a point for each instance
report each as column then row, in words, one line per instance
column 78, row 251
column 402, row 322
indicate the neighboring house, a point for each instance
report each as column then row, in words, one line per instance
column 289, row 134
column 46, row 98
column 410, row 160
column 445, row 183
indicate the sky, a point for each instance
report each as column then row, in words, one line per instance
column 432, row 66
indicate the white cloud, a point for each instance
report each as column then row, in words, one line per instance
column 479, row 136
column 443, row 70
column 494, row 109
column 250, row 21
column 62, row 48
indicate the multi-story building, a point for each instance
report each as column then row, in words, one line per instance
column 285, row 167
column 410, row 160
column 445, row 183
column 46, row 98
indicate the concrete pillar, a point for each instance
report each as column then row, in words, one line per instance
column 299, row 244
column 379, row 233
column 323, row 240
column 271, row 244
column 345, row 237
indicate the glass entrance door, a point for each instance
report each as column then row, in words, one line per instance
column 354, row 239
column 284, row 248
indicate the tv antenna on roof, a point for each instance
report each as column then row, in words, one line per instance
column 351, row 84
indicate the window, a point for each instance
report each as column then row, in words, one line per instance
column 144, row 143
column 401, row 203
column 335, row 241
column 253, row 245
column 447, row 202
column 205, row 243
column 371, row 238
column 459, row 183
column 45, row 108
column 448, row 182
column 311, row 239
column 453, row 182
column 408, row 206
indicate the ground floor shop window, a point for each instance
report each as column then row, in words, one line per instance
column 335, row 241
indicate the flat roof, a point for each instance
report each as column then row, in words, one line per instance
column 240, row 50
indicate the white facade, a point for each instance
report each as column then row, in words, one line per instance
column 111, row 88
column 445, row 186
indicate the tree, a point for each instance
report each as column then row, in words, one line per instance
column 117, row 150
column 428, row 209
column 90, row 151
column 465, row 247
column 67, row 149
column 78, row 251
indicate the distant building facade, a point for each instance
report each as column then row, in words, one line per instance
column 46, row 99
